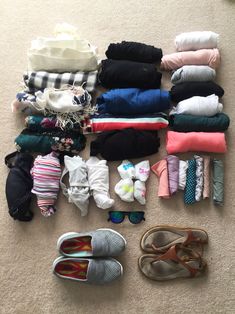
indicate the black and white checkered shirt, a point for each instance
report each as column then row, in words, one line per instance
column 40, row 80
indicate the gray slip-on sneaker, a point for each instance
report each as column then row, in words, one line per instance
column 101, row 242
column 97, row 271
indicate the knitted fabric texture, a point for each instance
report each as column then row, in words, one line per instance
column 46, row 174
column 124, row 74
column 133, row 51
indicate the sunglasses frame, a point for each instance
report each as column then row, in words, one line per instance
column 126, row 213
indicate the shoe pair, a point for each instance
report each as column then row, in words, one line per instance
column 87, row 256
column 173, row 252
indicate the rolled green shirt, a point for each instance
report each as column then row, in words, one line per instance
column 190, row 123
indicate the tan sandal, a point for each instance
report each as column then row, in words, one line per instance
column 161, row 238
column 177, row 262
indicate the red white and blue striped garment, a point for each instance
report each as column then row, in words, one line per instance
column 46, row 174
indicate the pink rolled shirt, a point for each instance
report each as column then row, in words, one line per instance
column 173, row 61
column 179, row 142
column 160, row 169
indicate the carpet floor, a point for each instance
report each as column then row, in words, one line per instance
column 27, row 284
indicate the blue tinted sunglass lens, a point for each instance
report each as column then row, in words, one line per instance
column 116, row 217
column 136, row 217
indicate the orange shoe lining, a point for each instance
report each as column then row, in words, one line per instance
column 76, row 244
column 72, row 269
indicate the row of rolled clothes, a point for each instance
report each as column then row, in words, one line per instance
column 44, row 176
column 60, row 111
column 191, row 176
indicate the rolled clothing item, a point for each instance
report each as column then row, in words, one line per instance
column 78, row 190
column 124, row 74
column 125, row 144
column 98, row 178
column 191, row 123
column 64, row 52
column 49, row 123
column 109, row 122
column 189, row 89
column 199, row 106
column 160, row 169
column 173, row 173
column 133, row 51
column 129, row 101
column 190, row 188
column 196, row 40
column 140, row 191
column 183, row 166
column 46, row 174
column 206, row 177
column 192, row 73
column 177, row 142
column 173, row 61
column 69, row 142
column 199, row 177
column 25, row 103
column 125, row 190
column 142, row 170
column 40, row 80
column 126, row 170
column 18, row 186
column 218, row 182
column 64, row 100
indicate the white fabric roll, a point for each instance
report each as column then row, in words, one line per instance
column 199, row 106
column 125, row 190
column 98, row 178
column 126, row 170
column 142, row 170
column 196, row 40
column 63, row 53
column 78, row 190
column 140, row 192
column 192, row 73
column 183, row 166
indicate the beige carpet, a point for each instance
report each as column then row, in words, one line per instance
column 27, row 284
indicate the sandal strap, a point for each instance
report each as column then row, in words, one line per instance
column 171, row 254
column 191, row 238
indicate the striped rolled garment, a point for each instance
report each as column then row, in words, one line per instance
column 46, row 174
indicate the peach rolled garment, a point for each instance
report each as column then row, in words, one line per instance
column 160, row 169
column 179, row 142
column 173, row 61
column 206, row 177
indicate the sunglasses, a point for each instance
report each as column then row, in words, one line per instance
column 135, row 217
